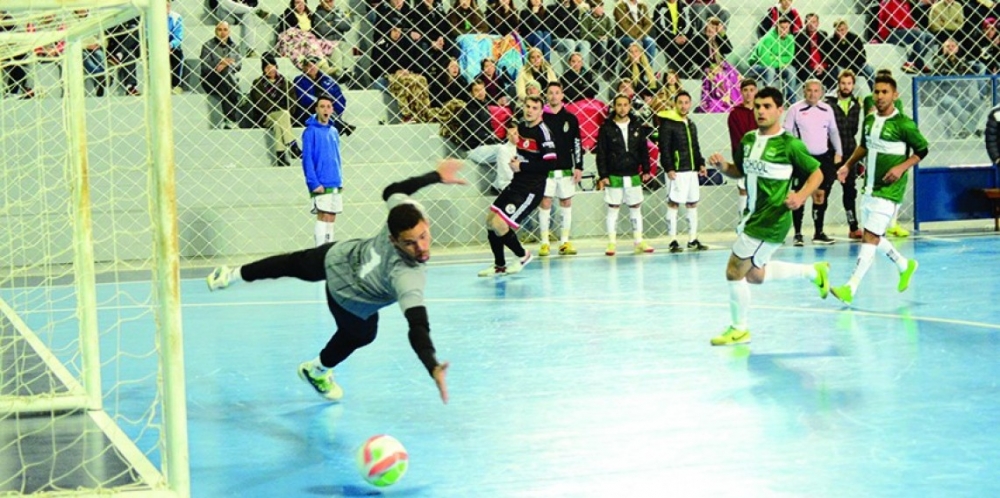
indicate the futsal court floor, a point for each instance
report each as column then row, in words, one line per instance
column 593, row 376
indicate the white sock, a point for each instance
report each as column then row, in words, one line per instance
column 329, row 231
column 739, row 303
column 321, row 232
column 865, row 257
column 692, row 215
column 672, row 222
column 235, row 275
column 889, row 250
column 317, row 367
column 635, row 216
column 544, row 222
column 780, row 270
column 741, row 202
column 567, row 223
column 611, row 224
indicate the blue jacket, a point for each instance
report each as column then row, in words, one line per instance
column 175, row 28
column 321, row 155
column 306, row 89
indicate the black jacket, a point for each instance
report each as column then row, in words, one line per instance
column 845, row 53
column 847, row 123
column 663, row 24
column 474, row 123
column 612, row 156
column 993, row 135
column 679, row 146
column 565, row 129
column 579, row 86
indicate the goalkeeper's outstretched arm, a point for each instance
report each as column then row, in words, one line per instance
column 446, row 172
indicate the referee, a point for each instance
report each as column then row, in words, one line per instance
column 814, row 122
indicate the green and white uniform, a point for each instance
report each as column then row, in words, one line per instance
column 769, row 163
column 889, row 140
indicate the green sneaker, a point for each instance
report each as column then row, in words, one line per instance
column 731, row 336
column 323, row 384
column 610, row 251
column 822, row 279
column 543, row 250
column 844, row 293
column 907, row 274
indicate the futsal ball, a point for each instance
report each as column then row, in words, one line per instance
column 382, row 460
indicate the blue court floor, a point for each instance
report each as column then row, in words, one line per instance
column 593, row 377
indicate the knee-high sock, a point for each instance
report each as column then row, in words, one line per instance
column 496, row 245
column 886, row 247
column 865, row 257
column 544, row 222
column 635, row 216
column 739, row 303
column 611, row 223
column 850, row 200
column 741, row 203
column 780, row 270
column 323, row 232
column 819, row 216
column 510, row 240
column 567, row 224
column 692, row 215
column 797, row 219
column 672, row 222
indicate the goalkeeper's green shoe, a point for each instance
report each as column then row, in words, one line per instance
column 731, row 336
column 323, row 384
column 218, row 279
column 907, row 274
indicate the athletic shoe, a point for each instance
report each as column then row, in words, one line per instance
column 897, row 231
column 543, row 250
column 856, row 234
column 567, row 249
column 323, row 384
column 675, row 247
column 643, row 247
column 822, row 279
column 907, row 274
column 822, row 239
column 610, row 251
column 844, row 293
column 797, row 240
column 525, row 260
column 494, row 271
column 697, row 246
column 218, row 279
column 731, row 336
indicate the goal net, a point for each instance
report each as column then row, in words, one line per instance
column 91, row 365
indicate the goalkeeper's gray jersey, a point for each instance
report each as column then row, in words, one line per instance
column 365, row 275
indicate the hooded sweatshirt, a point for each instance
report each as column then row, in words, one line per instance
column 321, row 155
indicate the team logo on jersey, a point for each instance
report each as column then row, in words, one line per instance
column 566, row 127
column 510, row 208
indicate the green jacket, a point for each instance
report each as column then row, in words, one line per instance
column 773, row 51
column 593, row 28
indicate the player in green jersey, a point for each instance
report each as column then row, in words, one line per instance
column 887, row 136
column 768, row 157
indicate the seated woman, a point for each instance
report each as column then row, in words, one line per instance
column 537, row 69
column 465, row 19
column 639, row 71
column 578, row 83
column 449, row 92
column 663, row 101
column 296, row 39
column 497, row 83
column 535, row 25
column 720, row 86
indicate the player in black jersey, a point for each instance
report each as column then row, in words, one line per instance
column 562, row 182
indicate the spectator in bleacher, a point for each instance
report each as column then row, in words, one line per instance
column 663, row 101
column 448, row 85
column 703, row 10
column 848, row 114
column 175, row 35
column 947, row 20
column 427, row 23
column 639, row 70
column 235, row 12
column 389, row 14
column 897, row 26
column 565, row 16
column 397, row 69
column 672, row 30
column 578, row 82
column 321, row 165
column 537, row 68
column 123, row 51
column 14, row 75
column 709, row 46
column 465, row 19
column 312, row 83
column 772, row 57
column 53, row 50
column 783, row 9
column 993, row 135
column 599, row 30
column 921, row 12
column 846, row 50
column 296, row 37
column 635, row 25
column 986, row 48
column 476, row 134
column 955, row 99
column 220, row 72
column 93, row 57
column 720, row 85
column 742, row 120
column 434, row 59
column 298, row 16
column 537, row 27
column 503, row 18
column 391, row 54
column 811, row 53
column 272, row 98
column 331, row 25
column 496, row 83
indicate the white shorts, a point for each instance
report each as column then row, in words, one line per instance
column 757, row 251
column 330, row 202
column 683, row 189
column 560, row 186
column 628, row 193
column 877, row 214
